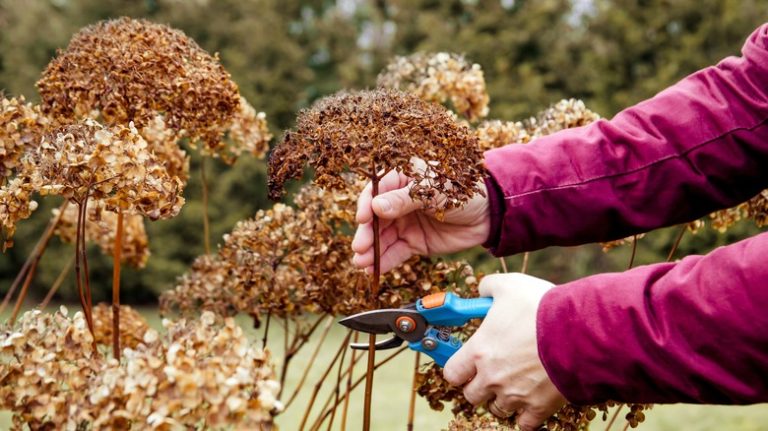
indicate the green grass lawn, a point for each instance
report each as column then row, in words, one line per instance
column 393, row 381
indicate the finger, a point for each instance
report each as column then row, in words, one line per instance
column 363, row 260
column 393, row 180
column 505, row 407
column 395, row 255
column 395, row 204
column 530, row 421
column 364, row 257
column 363, row 239
column 364, row 213
column 461, row 366
column 477, row 392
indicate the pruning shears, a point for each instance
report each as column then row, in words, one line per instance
column 425, row 325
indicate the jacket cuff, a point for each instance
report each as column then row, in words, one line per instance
column 496, row 209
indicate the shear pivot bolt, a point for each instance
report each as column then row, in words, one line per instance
column 429, row 344
column 405, row 324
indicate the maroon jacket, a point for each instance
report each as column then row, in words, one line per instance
column 692, row 331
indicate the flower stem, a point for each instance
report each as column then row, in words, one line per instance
column 57, row 283
column 344, row 410
column 524, row 269
column 37, row 254
column 677, row 242
column 412, row 404
column 116, row 258
column 206, row 225
column 322, row 379
column 375, row 294
column 613, row 417
column 503, row 265
column 634, row 252
column 312, row 359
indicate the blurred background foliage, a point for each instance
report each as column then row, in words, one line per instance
column 286, row 53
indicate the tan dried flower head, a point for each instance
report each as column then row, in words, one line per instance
column 202, row 371
column 164, row 143
column 112, row 165
column 248, row 132
column 133, row 326
column 203, row 287
column 495, row 133
column 440, row 77
column 757, row 209
column 16, row 204
column 565, row 114
column 101, row 228
column 21, row 125
column 132, row 70
column 370, row 132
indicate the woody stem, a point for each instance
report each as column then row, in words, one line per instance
column 375, row 295
column 30, row 266
column 206, row 226
column 116, row 258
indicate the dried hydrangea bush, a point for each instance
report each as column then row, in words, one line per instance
column 100, row 229
column 440, row 77
column 127, row 70
column 201, row 373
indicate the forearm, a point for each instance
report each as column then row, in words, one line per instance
column 698, row 146
column 693, row 331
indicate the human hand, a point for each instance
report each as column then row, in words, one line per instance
column 500, row 363
column 407, row 229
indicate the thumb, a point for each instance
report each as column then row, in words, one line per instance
column 460, row 368
column 395, row 204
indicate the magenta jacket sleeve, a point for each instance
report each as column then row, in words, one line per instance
column 698, row 146
column 692, row 331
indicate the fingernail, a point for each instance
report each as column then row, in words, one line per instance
column 384, row 205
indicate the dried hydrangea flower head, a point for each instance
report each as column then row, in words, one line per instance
column 21, row 125
column 164, row 143
column 133, row 326
column 440, row 77
column 113, row 165
column 755, row 208
column 248, row 132
column 16, row 204
column 202, row 371
column 100, row 228
column 373, row 132
column 131, row 70
column 203, row 287
column 260, row 268
column 565, row 114
column 265, row 260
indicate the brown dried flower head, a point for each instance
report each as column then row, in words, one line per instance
column 248, row 133
column 129, row 70
column 440, row 77
column 204, row 287
column 112, row 165
column 202, row 371
column 133, row 326
column 101, row 228
column 373, row 132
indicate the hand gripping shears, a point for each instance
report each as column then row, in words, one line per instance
column 425, row 325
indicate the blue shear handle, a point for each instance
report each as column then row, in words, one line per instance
column 455, row 311
column 436, row 346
